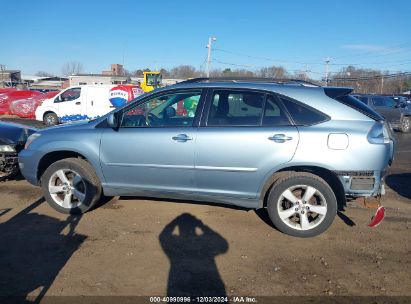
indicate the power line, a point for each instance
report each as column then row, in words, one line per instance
column 390, row 50
column 277, row 61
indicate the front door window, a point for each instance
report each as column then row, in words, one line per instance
column 169, row 110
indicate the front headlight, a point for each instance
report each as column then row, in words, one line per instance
column 7, row 148
column 30, row 139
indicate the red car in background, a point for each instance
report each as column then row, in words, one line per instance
column 9, row 96
column 26, row 108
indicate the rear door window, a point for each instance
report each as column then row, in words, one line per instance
column 379, row 101
column 235, row 108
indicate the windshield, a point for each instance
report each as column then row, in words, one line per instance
column 154, row 79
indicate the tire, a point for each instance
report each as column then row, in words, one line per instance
column 71, row 186
column 405, row 125
column 299, row 218
column 50, row 119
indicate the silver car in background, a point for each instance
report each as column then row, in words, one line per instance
column 297, row 149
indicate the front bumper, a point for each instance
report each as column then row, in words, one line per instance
column 9, row 163
column 28, row 166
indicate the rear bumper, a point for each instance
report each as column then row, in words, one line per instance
column 362, row 183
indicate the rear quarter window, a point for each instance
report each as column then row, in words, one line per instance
column 303, row 115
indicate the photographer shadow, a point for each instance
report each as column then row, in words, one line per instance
column 191, row 247
column 33, row 250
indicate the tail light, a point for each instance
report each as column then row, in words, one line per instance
column 380, row 133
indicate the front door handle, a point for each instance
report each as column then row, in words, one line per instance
column 280, row 138
column 78, row 102
column 182, row 138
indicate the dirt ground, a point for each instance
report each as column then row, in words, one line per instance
column 132, row 247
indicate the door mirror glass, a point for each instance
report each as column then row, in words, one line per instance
column 112, row 120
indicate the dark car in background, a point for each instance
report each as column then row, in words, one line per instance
column 396, row 113
column 402, row 100
column 13, row 137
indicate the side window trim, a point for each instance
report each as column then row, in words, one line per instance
column 281, row 106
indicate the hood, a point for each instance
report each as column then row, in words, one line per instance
column 65, row 126
column 13, row 133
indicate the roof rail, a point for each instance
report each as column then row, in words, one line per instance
column 251, row 79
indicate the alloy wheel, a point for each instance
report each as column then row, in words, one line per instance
column 67, row 188
column 302, row 207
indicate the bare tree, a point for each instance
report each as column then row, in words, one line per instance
column 72, row 68
column 278, row 72
column 184, row 71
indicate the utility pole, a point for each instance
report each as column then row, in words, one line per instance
column 382, row 83
column 210, row 42
column 327, row 61
column 2, row 69
column 306, row 72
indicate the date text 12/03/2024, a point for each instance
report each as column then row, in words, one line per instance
column 203, row 299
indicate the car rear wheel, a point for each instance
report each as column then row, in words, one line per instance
column 50, row 119
column 71, row 186
column 405, row 125
column 302, row 205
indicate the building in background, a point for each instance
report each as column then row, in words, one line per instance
column 116, row 70
column 98, row 79
column 43, row 82
column 9, row 78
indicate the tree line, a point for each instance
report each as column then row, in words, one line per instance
column 363, row 80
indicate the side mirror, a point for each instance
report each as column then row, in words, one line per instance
column 57, row 99
column 112, row 120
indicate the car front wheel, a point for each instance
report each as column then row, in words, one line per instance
column 405, row 125
column 302, row 205
column 50, row 119
column 71, row 186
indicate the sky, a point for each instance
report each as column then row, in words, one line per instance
column 298, row 35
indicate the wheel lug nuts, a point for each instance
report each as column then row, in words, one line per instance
column 296, row 209
column 302, row 212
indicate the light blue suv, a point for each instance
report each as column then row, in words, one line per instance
column 294, row 148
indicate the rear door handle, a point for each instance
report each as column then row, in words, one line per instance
column 280, row 138
column 78, row 103
column 182, row 137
